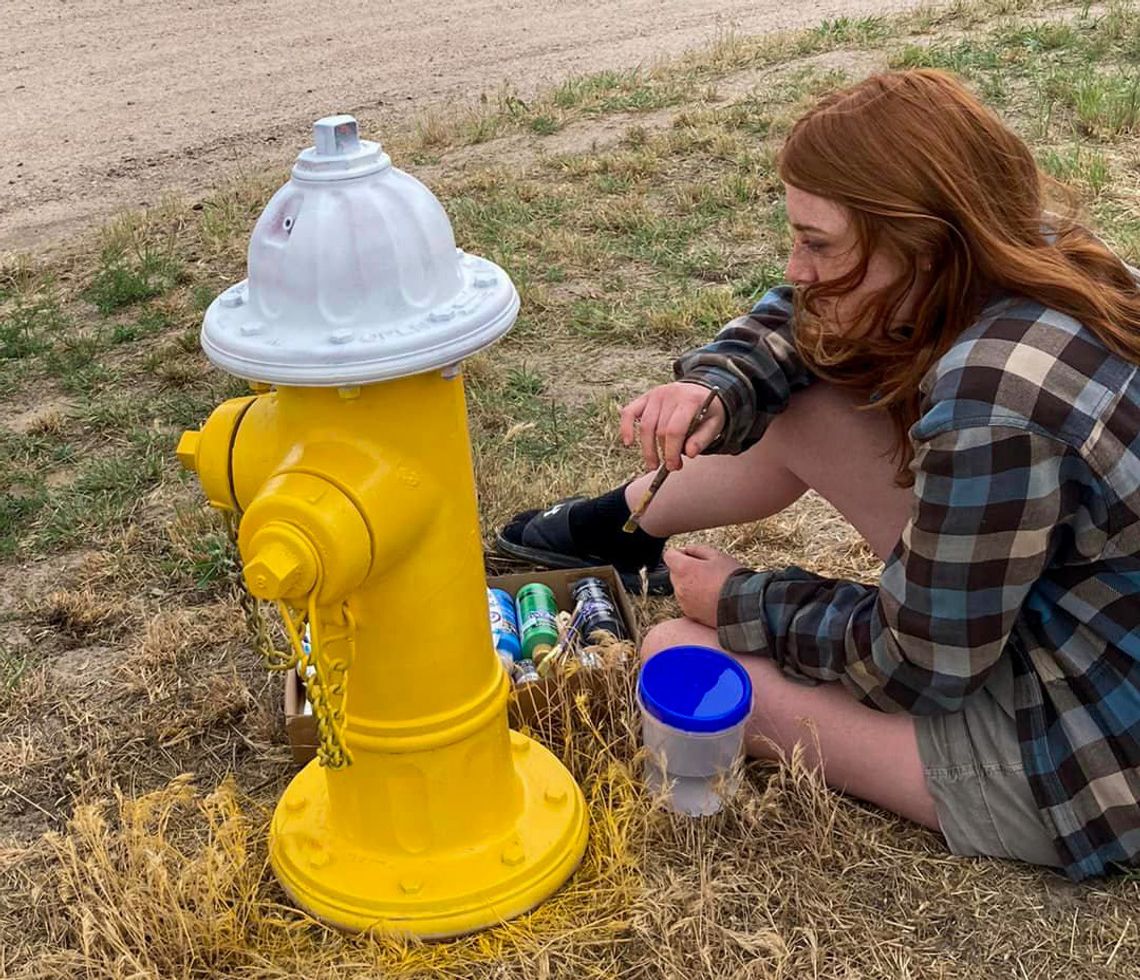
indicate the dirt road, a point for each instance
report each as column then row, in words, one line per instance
column 107, row 104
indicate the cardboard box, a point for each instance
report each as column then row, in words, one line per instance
column 531, row 699
column 300, row 728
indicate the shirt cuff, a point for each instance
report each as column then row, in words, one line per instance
column 740, row 623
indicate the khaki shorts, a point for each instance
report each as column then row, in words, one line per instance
column 972, row 762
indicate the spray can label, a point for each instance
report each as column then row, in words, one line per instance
column 538, row 626
column 600, row 610
column 504, row 625
column 306, row 672
column 524, row 672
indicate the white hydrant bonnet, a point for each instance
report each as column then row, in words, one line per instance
column 354, row 277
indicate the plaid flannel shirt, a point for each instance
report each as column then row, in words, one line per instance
column 1023, row 541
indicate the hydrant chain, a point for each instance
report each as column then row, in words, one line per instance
column 326, row 679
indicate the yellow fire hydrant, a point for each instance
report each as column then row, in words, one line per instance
column 350, row 475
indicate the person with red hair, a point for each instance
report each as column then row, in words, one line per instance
column 957, row 370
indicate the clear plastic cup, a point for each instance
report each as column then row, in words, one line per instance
column 695, row 702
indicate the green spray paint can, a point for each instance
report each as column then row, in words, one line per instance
column 538, row 625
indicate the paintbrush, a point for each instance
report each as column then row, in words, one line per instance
column 567, row 638
column 663, row 471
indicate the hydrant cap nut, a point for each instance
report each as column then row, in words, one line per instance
column 187, row 451
column 280, row 568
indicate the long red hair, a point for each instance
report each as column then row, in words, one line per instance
column 930, row 174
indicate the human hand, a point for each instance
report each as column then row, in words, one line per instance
column 698, row 573
column 665, row 413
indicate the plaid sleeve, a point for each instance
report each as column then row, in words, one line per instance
column 754, row 363
column 989, row 503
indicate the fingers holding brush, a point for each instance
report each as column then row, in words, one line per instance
column 682, row 417
column 695, row 421
column 686, row 434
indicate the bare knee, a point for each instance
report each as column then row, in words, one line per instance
column 675, row 633
column 847, row 457
column 659, row 637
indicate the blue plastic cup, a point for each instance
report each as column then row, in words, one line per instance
column 695, row 702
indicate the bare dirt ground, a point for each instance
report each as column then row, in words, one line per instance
column 109, row 104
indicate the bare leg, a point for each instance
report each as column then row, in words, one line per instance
column 866, row 753
column 821, row 441
column 824, row 443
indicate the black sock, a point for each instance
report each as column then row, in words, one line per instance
column 595, row 526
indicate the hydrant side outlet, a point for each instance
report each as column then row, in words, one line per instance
column 207, row 452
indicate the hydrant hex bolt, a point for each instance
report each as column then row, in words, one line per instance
column 282, row 566
column 187, row 450
column 353, row 485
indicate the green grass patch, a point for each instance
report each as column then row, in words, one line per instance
column 125, row 278
column 75, row 361
column 214, row 559
column 1117, row 219
column 20, row 500
column 521, row 412
column 1038, row 38
column 966, row 57
column 149, row 323
column 1077, row 164
column 1105, row 103
column 14, row 666
column 618, row 91
column 850, row 30
column 758, row 280
column 105, row 492
column 28, row 325
column 24, row 457
column 693, row 316
column 545, row 124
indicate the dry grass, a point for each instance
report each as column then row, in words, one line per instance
column 141, row 743
column 789, row 881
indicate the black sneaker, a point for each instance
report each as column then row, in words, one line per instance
column 543, row 538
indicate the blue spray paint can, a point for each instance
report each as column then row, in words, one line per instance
column 504, row 627
column 306, row 672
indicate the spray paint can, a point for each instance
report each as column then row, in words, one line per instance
column 600, row 611
column 538, row 623
column 504, row 627
column 306, row 672
column 525, row 672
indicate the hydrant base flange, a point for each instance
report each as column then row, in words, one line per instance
column 438, row 893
